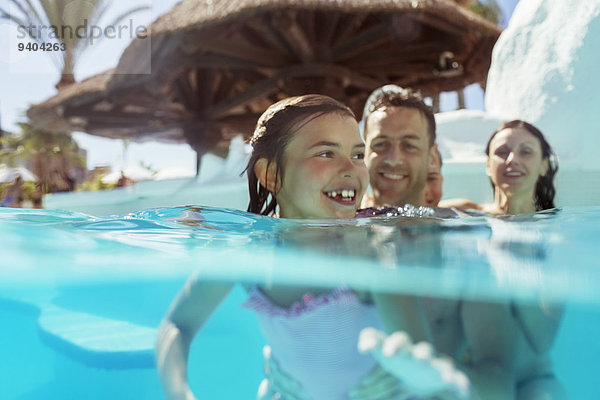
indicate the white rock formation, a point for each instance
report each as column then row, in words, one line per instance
column 545, row 70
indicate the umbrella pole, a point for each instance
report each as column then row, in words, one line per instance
column 200, row 152
column 198, row 159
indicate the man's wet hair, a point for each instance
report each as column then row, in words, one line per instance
column 396, row 96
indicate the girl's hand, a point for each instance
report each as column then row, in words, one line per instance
column 421, row 372
column 278, row 384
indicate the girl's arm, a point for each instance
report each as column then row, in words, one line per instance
column 188, row 313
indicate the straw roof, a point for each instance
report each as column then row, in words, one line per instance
column 191, row 14
column 50, row 114
column 212, row 66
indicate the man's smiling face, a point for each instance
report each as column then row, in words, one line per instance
column 397, row 155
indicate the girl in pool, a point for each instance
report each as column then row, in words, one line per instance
column 307, row 162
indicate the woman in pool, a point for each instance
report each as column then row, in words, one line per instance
column 307, row 162
column 521, row 166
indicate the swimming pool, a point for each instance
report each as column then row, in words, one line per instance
column 81, row 296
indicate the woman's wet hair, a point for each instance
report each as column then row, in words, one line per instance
column 544, row 187
column 274, row 131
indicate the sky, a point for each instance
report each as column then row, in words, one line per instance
column 28, row 78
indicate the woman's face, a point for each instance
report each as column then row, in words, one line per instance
column 515, row 161
column 324, row 171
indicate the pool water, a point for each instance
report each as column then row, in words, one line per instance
column 81, row 296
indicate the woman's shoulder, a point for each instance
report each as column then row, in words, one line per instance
column 462, row 204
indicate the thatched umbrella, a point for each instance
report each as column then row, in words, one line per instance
column 212, row 66
column 89, row 106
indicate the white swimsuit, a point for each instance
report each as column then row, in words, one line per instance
column 315, row 340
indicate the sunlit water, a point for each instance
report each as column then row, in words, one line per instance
column 81, row 297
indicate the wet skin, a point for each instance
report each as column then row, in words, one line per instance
column 325, row 156
column 433, row 186
column 324, row 171
column 515, row 161
column 397, row 155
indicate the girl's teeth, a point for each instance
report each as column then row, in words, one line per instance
column 346, row 193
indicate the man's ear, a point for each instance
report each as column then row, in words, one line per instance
column 266, row 173
column 432, row 155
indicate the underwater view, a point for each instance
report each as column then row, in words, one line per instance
column 81, row 297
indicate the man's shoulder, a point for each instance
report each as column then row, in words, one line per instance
column 368, row 201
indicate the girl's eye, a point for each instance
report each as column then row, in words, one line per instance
column 325, row 154
column 359, row 156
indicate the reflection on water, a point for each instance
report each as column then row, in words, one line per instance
column 467, row 256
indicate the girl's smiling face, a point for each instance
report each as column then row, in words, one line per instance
column 324, row 174
column 515, row 161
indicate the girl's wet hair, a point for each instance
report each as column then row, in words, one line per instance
column 274, row 130
column 544, row 188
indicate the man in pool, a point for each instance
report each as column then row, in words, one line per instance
column 399, row 132
column 503, row 346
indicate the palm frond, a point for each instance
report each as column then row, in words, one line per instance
column 52, row 13
column 100, row 10
column 16, row 20
column 57, row 20
column 34, row 15
column 128, row 13
column 489, row 10
column 28, row 16
column 21, row 8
